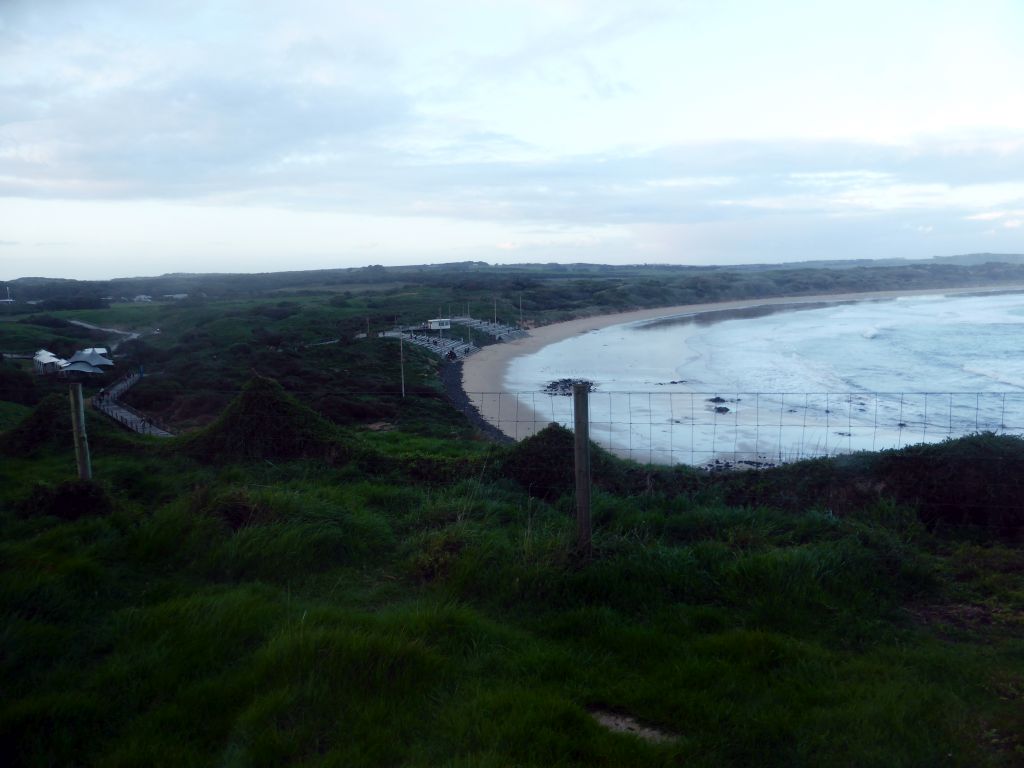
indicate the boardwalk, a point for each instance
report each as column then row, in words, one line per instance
column 107, row 402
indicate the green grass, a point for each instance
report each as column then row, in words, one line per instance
column 295, row 613
column 11, row 414
column 121, row 316
column 287, row 586
column 24, row 338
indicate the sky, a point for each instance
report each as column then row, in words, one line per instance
column 139, row 138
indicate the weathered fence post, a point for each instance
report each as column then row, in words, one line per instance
column 78, row 429
column 401, row 358
column 580, row 396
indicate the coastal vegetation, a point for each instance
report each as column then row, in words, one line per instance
column 318, row 571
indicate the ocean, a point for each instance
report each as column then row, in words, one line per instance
column 769, row 384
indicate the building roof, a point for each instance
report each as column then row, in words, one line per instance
column 91, row 357
column 80, row 366
column 45, row 356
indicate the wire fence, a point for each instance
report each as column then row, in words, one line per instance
column 696, row 428
column 757, row 428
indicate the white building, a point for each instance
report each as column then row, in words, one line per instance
column 84, row 361
column 46, row 362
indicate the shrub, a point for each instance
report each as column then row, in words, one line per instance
column 265, row 422
column 544, row 463
column 48, row 426
column 971, row 481
column 17, row 386
column 70, row 500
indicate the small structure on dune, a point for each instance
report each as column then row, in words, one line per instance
column 91, row 357
column 79, row 366
column 90, row 360
column 45, row 362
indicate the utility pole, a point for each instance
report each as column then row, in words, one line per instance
column 495, row 310
column 78, row 429
column 367, row 327
column 520, row 310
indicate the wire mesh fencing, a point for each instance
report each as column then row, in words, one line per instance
column 757, row 428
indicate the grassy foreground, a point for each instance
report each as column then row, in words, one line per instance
column 279, row 590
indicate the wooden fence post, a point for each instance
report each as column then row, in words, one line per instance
column 401, row 358
column 78, row 428
column 580, row 398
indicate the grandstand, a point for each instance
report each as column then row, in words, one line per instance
column 452, row 349
column 497, row 330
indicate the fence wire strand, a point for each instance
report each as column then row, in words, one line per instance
column 758, row 428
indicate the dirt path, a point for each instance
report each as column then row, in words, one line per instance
column 128, row 335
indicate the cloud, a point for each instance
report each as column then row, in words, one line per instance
column 189, row 137
column 578, row 125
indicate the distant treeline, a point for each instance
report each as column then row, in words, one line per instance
column 567, row 288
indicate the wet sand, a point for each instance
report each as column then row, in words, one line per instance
column 483, row 374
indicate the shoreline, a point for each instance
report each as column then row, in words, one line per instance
column 483, row 374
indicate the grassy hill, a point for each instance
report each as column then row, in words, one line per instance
column 209, row 600
column 321, row 572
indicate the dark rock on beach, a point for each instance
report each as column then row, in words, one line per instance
column 564, row 386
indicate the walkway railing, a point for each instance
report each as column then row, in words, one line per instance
column 107, row 402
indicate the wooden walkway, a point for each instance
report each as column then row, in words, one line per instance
column 107, row 402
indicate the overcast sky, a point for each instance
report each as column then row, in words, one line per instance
column 142, row 137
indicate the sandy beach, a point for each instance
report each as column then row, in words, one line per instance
column 483, row 374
